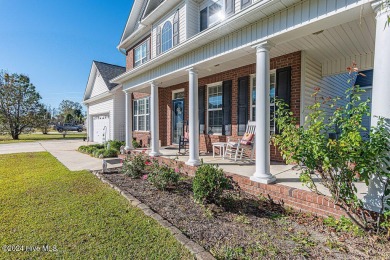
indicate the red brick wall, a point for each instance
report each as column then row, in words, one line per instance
column 165, row 99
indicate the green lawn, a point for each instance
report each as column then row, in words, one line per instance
column 43, row 203
column 33, row 137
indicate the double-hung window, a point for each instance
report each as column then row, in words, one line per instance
column 214, row 108
column 141, row 53
column 272, row 99
column 214, row 12
column 141, row 114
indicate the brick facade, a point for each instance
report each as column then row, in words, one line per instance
column 165, row 100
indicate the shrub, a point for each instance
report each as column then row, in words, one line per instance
column 97, row 152
column 110, row 153
column 135, row 144
column 163, row 176
column 209, row 184
column 340, row 162
column 116, row 145
column 134, row 165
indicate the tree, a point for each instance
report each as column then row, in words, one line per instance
column 44, row 119
column 19, row 103
column 70, row 111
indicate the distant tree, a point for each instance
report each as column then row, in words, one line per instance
column 68, row 107
column 19, row 103
column 44, row 119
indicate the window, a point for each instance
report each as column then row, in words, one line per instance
column 166, row 37
column 141, row 53
column 176, row 37
column 214, row 108
column 272, row 99
column 214, row 12
column 245, row 3
column 141, row 115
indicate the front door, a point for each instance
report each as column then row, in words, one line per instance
column 177, row 119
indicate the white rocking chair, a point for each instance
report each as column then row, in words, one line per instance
column 238, row 148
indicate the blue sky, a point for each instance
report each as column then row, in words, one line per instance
column 55, row 41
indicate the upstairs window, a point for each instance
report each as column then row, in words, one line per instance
column 176, row 37
column 245, row 3
column 166, row 37
column 141, row 53
column 215, row 12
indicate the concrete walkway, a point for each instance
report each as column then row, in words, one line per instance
column 64, row 150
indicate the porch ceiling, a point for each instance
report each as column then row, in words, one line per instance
column 341, row 44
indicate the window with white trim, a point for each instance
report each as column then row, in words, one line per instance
column 141, row 114
column 166, row 37
column 141, row 53
column 214, row 108
column 272, row 99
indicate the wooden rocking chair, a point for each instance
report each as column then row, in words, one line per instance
column 247, row 142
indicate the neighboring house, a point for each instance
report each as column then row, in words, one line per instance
column 219, row 63
column 105, row 103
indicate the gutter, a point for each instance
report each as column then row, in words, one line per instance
column 210, row 31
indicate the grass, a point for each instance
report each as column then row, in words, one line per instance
column 34, row 137
column 45, row 204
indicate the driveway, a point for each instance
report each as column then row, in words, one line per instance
column 65, row 151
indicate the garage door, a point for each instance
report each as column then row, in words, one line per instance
column 101, row 128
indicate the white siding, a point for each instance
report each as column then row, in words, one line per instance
column 99, row 86
column 119, row 115
column 104, row 107
column 330, row 86
column 192, row 18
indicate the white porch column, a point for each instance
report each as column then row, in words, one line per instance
column 380, row 92
column 154, row 120
column 263, row 173
column 129, row 122
column 193, row 118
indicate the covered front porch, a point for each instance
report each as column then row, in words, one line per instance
column 326, row 48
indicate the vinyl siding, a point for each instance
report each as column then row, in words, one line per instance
column 99, row 86
column 330, row 86
column 104, row 107
column 119, row 115
column 192, row 18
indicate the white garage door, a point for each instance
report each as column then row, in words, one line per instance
column 101, row 128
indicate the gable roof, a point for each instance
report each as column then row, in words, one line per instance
column 108, row 72
column 152, row 4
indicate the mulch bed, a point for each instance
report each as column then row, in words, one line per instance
column 246, row 227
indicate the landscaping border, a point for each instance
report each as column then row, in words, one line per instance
column 296, row 198
column 197, row 250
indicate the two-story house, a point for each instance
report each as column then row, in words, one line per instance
column 217, row 64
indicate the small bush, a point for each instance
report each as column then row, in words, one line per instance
column 110, row 153
column 98, row 152
column 163, row 176
column 135, row 144
column 209, row 184
column 116, row 145
column 134, row 165
column 343, row 225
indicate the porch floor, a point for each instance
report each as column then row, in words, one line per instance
column 287, row 175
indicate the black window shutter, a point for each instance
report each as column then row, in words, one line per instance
column 201, row 108
column 283, row 86
column 203, row 19
column 176, row 28
column 229, row 7
column 158, row 41
column 242, row 113
column 227, row 107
